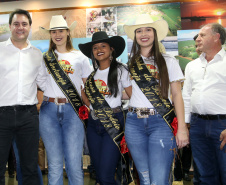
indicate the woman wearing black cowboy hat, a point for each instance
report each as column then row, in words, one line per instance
column 104, row 89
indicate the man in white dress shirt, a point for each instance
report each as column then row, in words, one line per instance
column 204, row 94
column 20, row 72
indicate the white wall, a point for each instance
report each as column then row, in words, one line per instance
column 48, row 4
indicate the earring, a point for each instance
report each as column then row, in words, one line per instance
column 68, row 38
column 95, row 64
column 110, row 57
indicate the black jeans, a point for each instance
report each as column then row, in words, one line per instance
column 183, row 162
column 11, row 161
column 21, row 123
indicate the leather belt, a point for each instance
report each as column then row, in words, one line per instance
column 16, row 107
column 143, row 112
column 57, row 100
column 210, row 116
column 117, row 109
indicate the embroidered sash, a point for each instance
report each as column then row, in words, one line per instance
column 63, row 81
column 110, row 122
column 150, row 87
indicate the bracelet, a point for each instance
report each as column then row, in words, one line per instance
column 88, row 108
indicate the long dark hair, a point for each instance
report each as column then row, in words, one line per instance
column 158, row 60
column 69, row 46
column 113, row 73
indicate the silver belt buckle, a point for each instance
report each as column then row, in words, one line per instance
column 56, row 101
column 140, row 115
column 152, row 112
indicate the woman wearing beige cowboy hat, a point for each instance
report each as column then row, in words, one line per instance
column 152, row 130
column 61, row 128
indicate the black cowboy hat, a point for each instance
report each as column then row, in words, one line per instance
column 115, row 42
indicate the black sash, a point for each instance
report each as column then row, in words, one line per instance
column 63, row 81
column 110, row 122
column 150, row 87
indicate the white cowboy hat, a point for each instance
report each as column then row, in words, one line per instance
column 144, row 20
column 58, row 23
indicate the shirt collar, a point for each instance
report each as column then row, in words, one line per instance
column 221, row 53
column 219, row 56
column 148, row 59
column 9, row 42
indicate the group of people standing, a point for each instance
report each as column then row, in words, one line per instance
column 155, row 123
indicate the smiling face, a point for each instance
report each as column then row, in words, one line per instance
column 102, row 52
column 19, row 28
column 59, row 37
column 145, row 37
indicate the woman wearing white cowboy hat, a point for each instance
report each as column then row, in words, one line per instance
column 151, row 123
column 60, row 127
column 106, row 84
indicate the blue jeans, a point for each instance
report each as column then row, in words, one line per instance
column 18, row 169
column 104, row 153
column 63, row 135
column 210, row 160
column 151, row 144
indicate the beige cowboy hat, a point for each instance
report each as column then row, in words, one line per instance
column 58, row 23
column 144, row 20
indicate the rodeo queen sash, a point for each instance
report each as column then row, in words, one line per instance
column 110, row 122
column 150, row 87
column 63, row 81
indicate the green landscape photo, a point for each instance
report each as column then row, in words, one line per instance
column 167, row 11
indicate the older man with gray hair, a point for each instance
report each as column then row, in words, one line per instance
column 205, row 104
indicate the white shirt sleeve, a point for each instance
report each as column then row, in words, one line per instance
column 125, row 79
column 41, row 77
column 174, row 70
column 86, row 68
column 186, row 93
